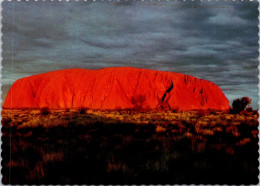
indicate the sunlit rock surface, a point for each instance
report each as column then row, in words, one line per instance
column 115, row 88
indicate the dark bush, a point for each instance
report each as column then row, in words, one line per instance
column 249, row 109
column 6, row 121
column 245, row 113
column 82, row 110
column 44, row 110
column 240, row 104
column 202, row 113
column 118, row 109
column 138, row 102
column 176, row 110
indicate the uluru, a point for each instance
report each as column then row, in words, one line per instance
column 115, row 88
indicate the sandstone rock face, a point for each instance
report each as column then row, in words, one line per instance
column 115, row 88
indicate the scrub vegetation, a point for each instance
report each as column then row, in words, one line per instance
column 84, row 146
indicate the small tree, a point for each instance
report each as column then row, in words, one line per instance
column 241, row 104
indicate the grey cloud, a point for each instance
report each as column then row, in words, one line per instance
column 217, row 41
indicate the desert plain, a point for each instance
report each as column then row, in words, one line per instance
column 86, row 146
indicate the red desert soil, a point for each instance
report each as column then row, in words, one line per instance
column 115, row 88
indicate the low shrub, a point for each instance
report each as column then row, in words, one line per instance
column 44, row 110
column 249, row 109
column 202, row 113
column 175, row 110
column 82, row 110
column 245, row 113
column 6, row 121
column 212, row 111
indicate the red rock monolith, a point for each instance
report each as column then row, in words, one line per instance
column 115, row 88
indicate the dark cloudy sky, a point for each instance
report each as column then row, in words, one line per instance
column 217, row 41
